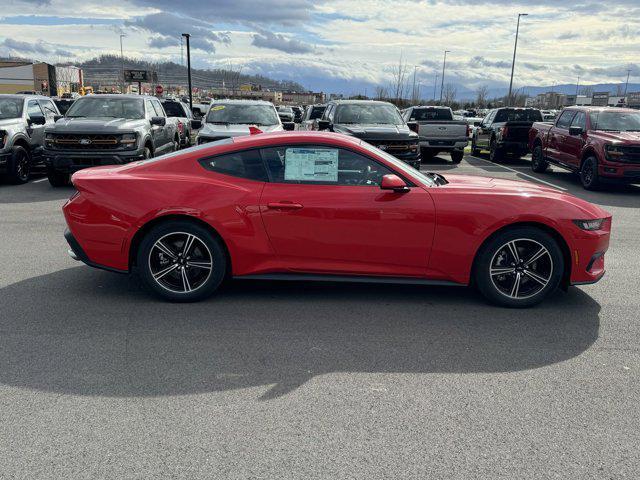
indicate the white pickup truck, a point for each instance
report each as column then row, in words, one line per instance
column 438, row 131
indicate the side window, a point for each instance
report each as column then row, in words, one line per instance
column 49, row 108
column 151, row 111
column 33, row 109
column 159, row 109
column 329, row 113
column 565, row 119
column 322, row 165
column 247, row 164
column 580, row 120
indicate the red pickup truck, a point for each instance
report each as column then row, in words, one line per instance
column 599, row 143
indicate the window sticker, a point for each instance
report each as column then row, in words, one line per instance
column 215, row 108
column 311, row 164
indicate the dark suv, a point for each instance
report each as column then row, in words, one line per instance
column 377, row 123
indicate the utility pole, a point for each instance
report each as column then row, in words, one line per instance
column 577, row 87
column 181, row 51
column 444, row 64
column 187, row 36
column 515, row 47
column 413, row 90
column 435, row 86
column 626, row 85
column 122, row 60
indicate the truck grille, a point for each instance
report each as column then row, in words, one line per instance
column 395, row 146
column 630, row 154
column 85, row 142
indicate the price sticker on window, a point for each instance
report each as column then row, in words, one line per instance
column 311, row 164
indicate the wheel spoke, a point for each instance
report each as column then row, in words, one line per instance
column 502, row 271
column 163, row 272
column 516, row 286
column 185, row 281
column 536, row 256
column 513, row 250
column 187, row 244
column 541, row 280
column 204, row 265
column 166, row 250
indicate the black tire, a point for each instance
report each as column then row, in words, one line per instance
column 18, row 166
column 426, row 154
column 171, row 285
column 538, row 162
column 57, row 179
column 496, row 276
column 495, row 153
column 474, row 149
column 456, row 157
column 176, row 144
column 147, row 152
column 589, row 174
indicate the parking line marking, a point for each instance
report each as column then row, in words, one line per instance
column 520, row 173
column 39, row 180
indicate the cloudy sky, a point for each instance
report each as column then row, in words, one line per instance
column 344, row 45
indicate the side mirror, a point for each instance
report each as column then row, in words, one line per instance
column 575, row 131
column 37, row 120
column 324, row 124
column 289, row 125
column 395, row 183
column 413, row 126
column 57, row 117
column 196, row 124
column 160, row 121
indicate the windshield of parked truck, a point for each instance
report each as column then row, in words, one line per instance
column 426, row 114
column 518, row 115
column 10, row 108
column 97, row 107
column 230, row 113
column 615, row 121
column 173, row 109
column 368, row 113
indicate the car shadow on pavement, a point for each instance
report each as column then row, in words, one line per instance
column 86, row 332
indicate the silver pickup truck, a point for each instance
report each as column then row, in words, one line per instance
column 438, row 131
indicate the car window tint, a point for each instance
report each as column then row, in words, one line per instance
column 318, row 164
column 565, row 119
column 580, row 120
column 33, row 109
column 247, row 164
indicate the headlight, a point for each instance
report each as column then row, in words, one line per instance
column 590, row 225
column 613, row 152
column 128, row 140
column 49, row 139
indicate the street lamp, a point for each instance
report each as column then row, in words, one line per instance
column 435, row 87
column 444, row 64
column 122, row 35
column 187, row 36
column 513, row 64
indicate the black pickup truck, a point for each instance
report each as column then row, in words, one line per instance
column 107, row 130
column 505, row 131
column 377, row 123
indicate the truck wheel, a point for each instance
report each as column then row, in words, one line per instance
column 589, row 174
column 147, row 153
column 538, row 163
column 18, row 166
column 474, row 149
column 456, row 157
column 57, row 179
column 495, row 154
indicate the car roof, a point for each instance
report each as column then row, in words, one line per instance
column 24, row 96
column 119, row 95
column 240, row 102
column 588, row 108
column 359, row 102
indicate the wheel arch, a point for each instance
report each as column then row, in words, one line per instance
column 588, row 152
column 22, row 142
column 134, row 245
column 555, row 234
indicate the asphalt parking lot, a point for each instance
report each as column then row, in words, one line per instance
column 282, row 380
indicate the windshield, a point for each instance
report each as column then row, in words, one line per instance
column 518, row 115
column 243, row 113
column 420, row 114
column 615, row 121
column 399, row 165
column 173, row 109
column 107, row 107
column 10, row 108
column 368, row 113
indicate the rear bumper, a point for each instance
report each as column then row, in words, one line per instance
column 77, row 253
column 72, row 161
column 513, row 145
column 445, row 145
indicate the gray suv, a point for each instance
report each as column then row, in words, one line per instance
column 22, row 122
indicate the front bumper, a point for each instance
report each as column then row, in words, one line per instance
column 72, row 161
column 619, row 172
column 588, row 254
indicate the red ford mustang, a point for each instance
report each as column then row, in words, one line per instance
column 323, row 206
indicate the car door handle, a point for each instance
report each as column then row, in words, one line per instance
column 284, row 206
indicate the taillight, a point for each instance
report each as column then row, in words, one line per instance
column 180, row 127
column 468, row 130
column 504, row 131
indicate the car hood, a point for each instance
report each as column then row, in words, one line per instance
column 626, row 137
column 504, row 187
column 96, row 125
column 234, row 130
column 377, row 132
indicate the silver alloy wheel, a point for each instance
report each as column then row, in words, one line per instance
column 521, row 268
column 180, row 262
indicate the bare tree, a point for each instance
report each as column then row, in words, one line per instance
column 482, row 92
column 519, row 98
column 399, row 85
column 381, row 93
column 449, row 94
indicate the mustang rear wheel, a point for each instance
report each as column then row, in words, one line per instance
column 519, row 267
column 181, row 261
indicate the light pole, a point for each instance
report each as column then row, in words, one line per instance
column 515, row 47
column 577, row 87
column 626, row 85
column 413, row 90
column 122, row 60
column 444, row 64
column 187, row 36
column 435, row 86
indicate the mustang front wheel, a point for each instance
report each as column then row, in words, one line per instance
column 181, row 261
column 519, row 267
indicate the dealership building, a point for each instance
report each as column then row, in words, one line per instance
column 21, row 76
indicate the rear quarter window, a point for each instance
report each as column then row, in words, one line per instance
column 246, row 164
